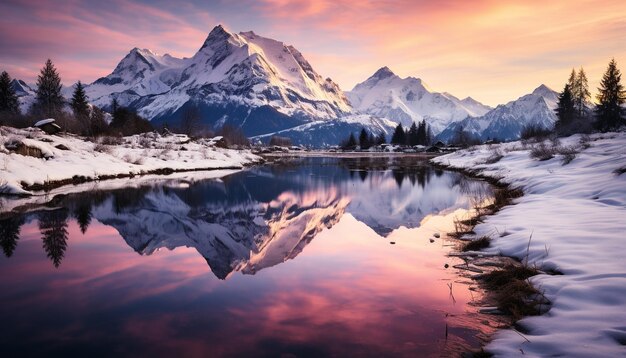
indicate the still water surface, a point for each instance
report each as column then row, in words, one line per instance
column 313, row 257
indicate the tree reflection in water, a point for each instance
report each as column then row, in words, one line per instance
column 53, row 228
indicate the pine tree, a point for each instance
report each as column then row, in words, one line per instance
column 399, row 136
column 79, row 103
column 581, row 93
column 565, row 111
column 351, row 143
column 97, row 122
column 364, row 139
column 422, row 133
column 611, row 97
column 413, row 135
column 8, row 98
column 572, row 83
column 114, row 106
column 49, row 101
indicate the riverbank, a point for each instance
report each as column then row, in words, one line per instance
column 570, row 222
column 32, row 162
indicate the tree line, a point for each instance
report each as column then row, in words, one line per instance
column 574, row 107
column 417, row 134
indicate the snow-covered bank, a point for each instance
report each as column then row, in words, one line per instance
column 575, row 213
column 69, row 158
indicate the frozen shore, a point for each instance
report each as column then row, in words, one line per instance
column 574, row 206
column 49, row 160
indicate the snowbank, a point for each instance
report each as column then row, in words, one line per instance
column 67, row 157
column 576, row 214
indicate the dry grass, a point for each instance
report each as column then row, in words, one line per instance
column 110, row 140
column 542, row 152
column 495, row 156
column 512, row 291
column 102, row 148
column 477, row 245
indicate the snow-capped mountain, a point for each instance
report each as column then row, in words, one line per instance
column 140, row 73
column 507, row 121
column 405, row 100
column 245, row 80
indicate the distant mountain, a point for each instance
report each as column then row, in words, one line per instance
column 506, row 121
column 332, row 132
column 405, row 100
column 245, row 80
column 25, row 94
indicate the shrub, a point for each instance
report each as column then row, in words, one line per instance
column 280, row 141
column 542, row 152
column 102, row 148
column 496, row 156
column 233, row 136
column 535, row 131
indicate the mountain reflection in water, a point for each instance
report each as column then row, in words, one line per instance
column 349, row 293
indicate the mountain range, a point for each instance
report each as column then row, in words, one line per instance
column 266, row 88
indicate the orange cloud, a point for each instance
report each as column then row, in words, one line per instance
column 492, row 50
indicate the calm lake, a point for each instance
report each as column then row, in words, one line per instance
column 309, row 258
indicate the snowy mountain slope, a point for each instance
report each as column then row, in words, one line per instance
column 140, row 73
column 232, row 79
column 332, row 132
column 405, row 100
column 506, row 121
column 25, row 94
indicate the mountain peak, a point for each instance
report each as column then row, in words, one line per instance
column 383, row 72
column 543, row 90
column 219, row 31
column 216, row 37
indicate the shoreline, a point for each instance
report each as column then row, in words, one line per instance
column 565, row 227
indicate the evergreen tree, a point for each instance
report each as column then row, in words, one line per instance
column 114, row 106
column 79, row 103
column 572, row 84
column 49, row 101
column 413, row 135
column 422, row 133
column 83, row 216
column 611, row 97
column 399, row 136
column 351, row 143
column 97, row 122
column 581, row 93
column 565, row 111
column 429, row 135
column 364, row 139
column 8, row 98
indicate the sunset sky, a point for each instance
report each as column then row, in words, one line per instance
column 494, row 51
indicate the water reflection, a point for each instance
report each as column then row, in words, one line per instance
column 336, row 287
column 259, row 218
